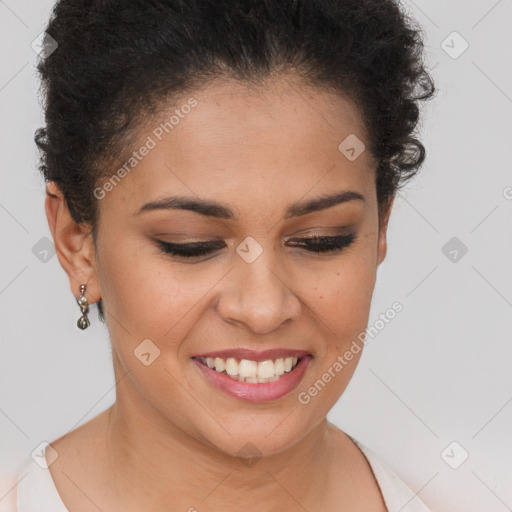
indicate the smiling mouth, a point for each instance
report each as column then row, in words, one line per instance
column 247, row 370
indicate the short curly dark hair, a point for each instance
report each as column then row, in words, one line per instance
column 119, row 60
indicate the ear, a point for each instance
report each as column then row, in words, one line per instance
column 383, row 227
column 73, row 244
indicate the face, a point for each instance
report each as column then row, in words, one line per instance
column 255, row 288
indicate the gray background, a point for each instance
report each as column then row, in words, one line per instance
column 439, row 372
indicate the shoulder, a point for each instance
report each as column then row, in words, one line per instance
column 35, row 490
column 397, row 495
column 8, row 490
column 42, row 490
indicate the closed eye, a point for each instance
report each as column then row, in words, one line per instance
column 325, row 243
column 316, row 244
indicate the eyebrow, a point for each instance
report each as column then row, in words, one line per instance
column 209, row 208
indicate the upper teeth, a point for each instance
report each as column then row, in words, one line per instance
column 252, row 371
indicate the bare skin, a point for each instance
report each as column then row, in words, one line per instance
column 85, row 480
column 171, row 440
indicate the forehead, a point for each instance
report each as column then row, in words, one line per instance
column 246, row 144
column 279, row 111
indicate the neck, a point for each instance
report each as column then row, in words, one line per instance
column 157, row 465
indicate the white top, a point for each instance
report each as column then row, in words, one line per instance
column 37, row 492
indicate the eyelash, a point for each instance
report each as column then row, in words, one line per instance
column 316, row 244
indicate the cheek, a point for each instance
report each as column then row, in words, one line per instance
column 339, row 301
column 341, row 296
column 140, row 287
column 148, row 296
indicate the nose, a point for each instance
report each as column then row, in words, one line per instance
column 258, row 297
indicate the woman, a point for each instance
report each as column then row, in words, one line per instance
column 220, row 177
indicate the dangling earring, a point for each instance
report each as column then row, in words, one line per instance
column 83, row 321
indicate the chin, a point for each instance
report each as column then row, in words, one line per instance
column 257, row 437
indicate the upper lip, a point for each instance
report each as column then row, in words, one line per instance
column 255, row 355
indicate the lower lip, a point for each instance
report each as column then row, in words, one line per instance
column 256, row 392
